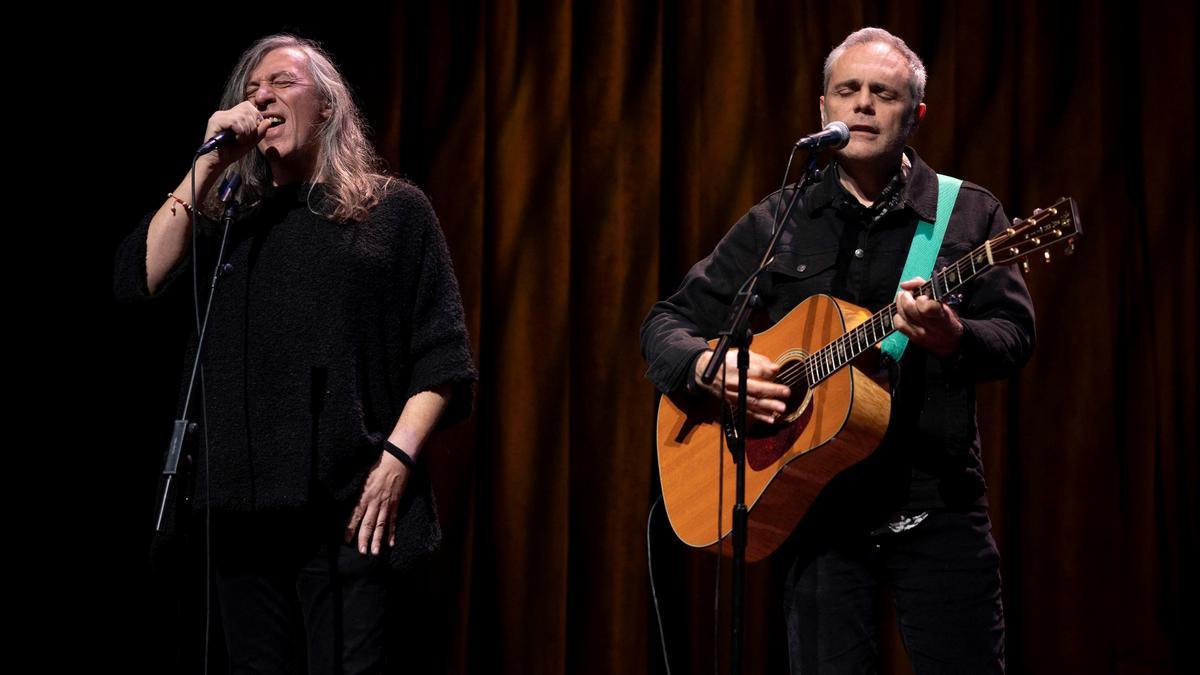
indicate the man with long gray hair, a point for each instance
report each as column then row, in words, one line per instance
column 336, row 344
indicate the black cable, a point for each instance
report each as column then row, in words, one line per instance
column 662, row 635
column 201, row 331
column 203, row 423
column 720, row 514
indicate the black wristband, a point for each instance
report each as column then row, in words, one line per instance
column 395, row 451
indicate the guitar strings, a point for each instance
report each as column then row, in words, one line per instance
column 825, row 361
column 845, row 348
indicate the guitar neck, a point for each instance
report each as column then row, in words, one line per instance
column 837, row 354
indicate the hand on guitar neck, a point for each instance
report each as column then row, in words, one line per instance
column 764, row 398
column 935, row 325
column 927, row 322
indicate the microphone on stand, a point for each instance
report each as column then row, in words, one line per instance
column 834, row 135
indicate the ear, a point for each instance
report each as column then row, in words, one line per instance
column 821, row 105
column 327, row 111
column 915, row 120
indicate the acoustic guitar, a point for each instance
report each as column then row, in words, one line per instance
column 837, row 414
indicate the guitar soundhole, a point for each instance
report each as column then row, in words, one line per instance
column 797, row 403
column 766, row 443
column 790, row 373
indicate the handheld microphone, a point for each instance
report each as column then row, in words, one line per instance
column 221, row 139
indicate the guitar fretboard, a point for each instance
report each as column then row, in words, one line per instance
column 837, row 354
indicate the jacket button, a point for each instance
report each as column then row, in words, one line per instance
column 801, row 268
column 858, row 253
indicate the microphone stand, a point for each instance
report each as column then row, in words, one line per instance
column 737, row 334
column 182, row 434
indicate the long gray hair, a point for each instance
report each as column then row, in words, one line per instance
column 347, row 166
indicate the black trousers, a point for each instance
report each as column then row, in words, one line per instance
column 945, row 578
column 294, row 599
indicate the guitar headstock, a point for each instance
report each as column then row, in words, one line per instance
column 1058, row 224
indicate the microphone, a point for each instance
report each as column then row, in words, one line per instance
column 835, row 135
column 228, row 137
column 223, row 138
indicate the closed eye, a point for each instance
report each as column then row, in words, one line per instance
column 275, row 82
column 883, row 92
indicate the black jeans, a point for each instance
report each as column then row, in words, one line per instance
column 945, row 578
column 294, row 599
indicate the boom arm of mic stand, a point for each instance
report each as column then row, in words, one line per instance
column 741, row 314
column 183, row 429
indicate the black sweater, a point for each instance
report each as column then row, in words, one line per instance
column 320, row 333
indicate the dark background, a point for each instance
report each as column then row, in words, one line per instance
column 581, row 156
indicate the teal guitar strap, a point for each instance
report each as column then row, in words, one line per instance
column 925, row 245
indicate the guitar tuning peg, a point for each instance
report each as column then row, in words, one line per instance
column 1070, row 248
column 1047, row 255
column 1025, row 266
